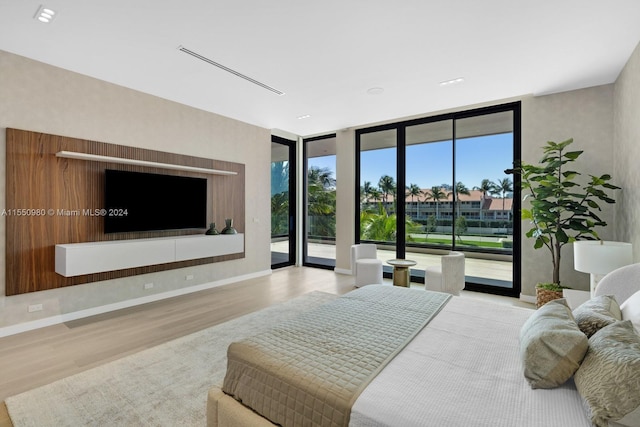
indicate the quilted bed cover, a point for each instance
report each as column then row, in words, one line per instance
column 311, row 369
column 464, row 369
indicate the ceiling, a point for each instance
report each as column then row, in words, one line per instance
column 326, row 55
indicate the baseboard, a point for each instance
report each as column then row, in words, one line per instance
column 67, row 317
column 528, row 298
column 342, row 271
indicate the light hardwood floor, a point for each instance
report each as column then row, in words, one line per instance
column 39, row 357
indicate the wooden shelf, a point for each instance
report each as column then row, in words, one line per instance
column 120, row 160
column 77, row 259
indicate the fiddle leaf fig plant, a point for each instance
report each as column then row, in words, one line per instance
column 562, row 210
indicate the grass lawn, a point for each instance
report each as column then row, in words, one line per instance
column 464, row 242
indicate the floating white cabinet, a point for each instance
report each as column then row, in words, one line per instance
column 77, row 259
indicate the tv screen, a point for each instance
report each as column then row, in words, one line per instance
column 136, row 201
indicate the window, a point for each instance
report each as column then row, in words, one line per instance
column 320, row 202
column 283, row 202
column 439, row 183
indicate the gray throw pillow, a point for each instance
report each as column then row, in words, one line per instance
column 609, row 377
column 551, row 345
column 597, row 313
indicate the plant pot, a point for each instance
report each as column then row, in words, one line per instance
column 543, row 296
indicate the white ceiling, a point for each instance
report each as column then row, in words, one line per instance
column 325, row 55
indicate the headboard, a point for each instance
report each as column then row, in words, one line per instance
column 622, row 283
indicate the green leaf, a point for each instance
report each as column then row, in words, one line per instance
column 538, row 243
column 561, row 236
column 573, row 154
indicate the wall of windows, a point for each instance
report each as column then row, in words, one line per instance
column 437, row 184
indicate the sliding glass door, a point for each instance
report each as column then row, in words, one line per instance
column 438, row 184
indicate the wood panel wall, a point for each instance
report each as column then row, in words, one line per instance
column 37, row 179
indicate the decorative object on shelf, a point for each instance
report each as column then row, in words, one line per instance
column 598, row 258
column 228, row 229
column 562, row 210
column 212, row 229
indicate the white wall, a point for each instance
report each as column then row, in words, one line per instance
column 38, row 97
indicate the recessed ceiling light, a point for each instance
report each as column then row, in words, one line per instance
column 375, row 91
column 306, row 116
column 45, row 14
column 452, row 81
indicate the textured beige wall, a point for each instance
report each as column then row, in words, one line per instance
column 586, row 116
column 345, row 203
column 38, row 97
column 626, row 160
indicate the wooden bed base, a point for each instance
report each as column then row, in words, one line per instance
column 224, row 411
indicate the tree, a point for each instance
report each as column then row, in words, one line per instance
column 486, row 186
column 366, row 191
column 414, row 191
column 436, row 194
column 375, row 194
column 279, row 177
column 461, row 227
column 279, row 198
column 380, row 226
column 431, row 225
column 387, row 186
column 459, row 189
column 280, row 214
column 321, row 201
column 562, row 210
column 504, row 186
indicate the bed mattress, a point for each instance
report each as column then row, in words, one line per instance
column 464, row 369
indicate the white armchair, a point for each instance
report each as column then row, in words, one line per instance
column 448, row 276
column 365, row 265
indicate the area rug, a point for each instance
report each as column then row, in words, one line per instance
column 165, row 385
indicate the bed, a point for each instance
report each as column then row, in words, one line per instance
column 463, row 367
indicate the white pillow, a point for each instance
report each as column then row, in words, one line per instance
column 631, row 310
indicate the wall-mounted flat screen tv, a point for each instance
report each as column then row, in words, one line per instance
column 136, row 201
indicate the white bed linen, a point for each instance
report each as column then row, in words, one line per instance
column 464, row 369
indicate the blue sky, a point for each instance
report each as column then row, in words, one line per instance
column 430, row 164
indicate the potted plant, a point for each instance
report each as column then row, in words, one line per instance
column 562, row 210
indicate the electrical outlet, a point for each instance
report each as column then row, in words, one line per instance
column 35, row 307
column 188, row 277
column 148, row 285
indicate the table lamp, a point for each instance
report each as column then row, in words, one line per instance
column 599, row 257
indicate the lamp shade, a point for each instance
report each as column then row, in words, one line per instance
column 601, row 257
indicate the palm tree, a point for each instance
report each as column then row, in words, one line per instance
column 322, row 177
column 459, row 189
column 414, row 191
column 366, row 191
column 486, row 186
column 321, row 201
column 375, row 194
column 504, row 186
column 387, row 186
column 436, row 194
column 380, row 226
column 279, row 177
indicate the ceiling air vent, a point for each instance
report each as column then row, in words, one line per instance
column 229, row 70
